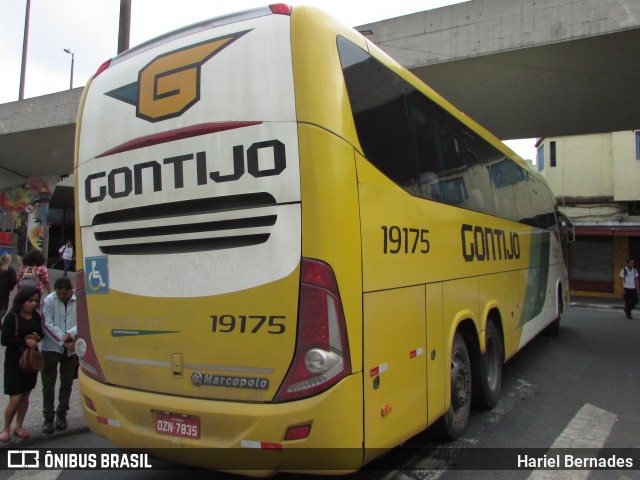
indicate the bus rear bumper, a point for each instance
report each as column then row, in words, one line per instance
column 235, row 436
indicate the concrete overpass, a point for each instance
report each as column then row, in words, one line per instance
column 525, row 68
column 522, row 68
column 37, row 137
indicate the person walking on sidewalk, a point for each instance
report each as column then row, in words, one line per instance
column 67, row 256
column 21, row 328
column 58, row 346
column 629, row 279
column 33, row 272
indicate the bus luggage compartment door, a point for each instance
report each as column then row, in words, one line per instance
column 395, row 373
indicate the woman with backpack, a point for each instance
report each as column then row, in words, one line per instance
column 33, row 272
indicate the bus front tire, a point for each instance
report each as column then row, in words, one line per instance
column 453, row 423
column 487, row 379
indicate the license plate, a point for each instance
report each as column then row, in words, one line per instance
column 177, row 425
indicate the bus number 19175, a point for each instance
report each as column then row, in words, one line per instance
column 404, row 240
column 247, row 323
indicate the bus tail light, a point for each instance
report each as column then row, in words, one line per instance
column 84, row 347
column 298, row 432
column 102, row 68
column 90, row 405
column 280, row 8
column 322, row 351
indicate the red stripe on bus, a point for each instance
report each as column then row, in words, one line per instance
column 173, row 135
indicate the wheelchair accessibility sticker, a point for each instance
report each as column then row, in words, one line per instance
column 97, row 275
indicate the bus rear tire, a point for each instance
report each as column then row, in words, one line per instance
column 487, row 379
column 453, row 423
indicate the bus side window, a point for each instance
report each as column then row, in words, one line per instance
column 377, row 98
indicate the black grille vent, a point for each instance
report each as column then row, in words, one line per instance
column 187, row 226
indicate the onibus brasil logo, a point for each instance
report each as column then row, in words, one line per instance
column 170, row 85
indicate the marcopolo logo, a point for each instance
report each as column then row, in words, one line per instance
column 254, row 383
column 170, row 85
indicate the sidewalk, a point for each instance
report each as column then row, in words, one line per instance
column 34, row 419
column 596, row 302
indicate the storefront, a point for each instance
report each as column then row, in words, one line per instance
column 598, row 254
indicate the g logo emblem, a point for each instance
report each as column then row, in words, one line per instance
column 170, row 85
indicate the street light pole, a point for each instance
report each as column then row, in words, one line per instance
column 25, row 42
column 125, row 25
column 68, row 50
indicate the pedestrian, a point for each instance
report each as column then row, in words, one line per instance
column 58, row 346
column 33, row 272
column 22, row 328
column 8, row 281
column 67, row 256
column 629, row 279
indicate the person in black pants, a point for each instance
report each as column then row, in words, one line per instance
column 58, row 346
column 629, row 279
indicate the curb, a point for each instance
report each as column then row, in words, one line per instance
column 597, row 302
column 596, row 305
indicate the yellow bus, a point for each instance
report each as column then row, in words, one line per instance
column 291, row 244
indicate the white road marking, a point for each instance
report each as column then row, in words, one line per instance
column 435, row 465
column 589, row 428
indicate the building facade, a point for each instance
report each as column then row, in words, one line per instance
column 596, row 179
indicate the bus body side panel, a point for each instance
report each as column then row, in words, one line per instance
column 395, row 373
column 437, row 363
column 470, row 261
